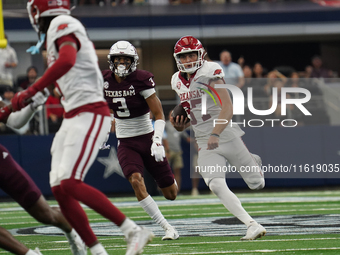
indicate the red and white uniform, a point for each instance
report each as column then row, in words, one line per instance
column 231, row 146
column 87, row 116
column 83, row 84
column 190, row 95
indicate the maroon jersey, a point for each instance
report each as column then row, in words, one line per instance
column 124, row 98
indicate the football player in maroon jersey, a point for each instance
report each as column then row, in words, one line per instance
column 19, row 185
column 130, row 94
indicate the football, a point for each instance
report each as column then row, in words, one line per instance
column 179, row 111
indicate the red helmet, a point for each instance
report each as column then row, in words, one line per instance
column 45, row 8
column 188, row 44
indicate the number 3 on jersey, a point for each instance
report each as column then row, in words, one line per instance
column 152, row 82
column 123, row 109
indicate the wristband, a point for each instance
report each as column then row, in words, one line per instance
column 159, row 129
column 214, row 134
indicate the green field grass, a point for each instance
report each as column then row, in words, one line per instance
column 296, row 223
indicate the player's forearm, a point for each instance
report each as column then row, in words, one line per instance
column 155, row 106
column 18, row 119
column 224, row 115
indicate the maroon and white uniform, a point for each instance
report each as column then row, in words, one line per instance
column 133, row 124
column 16, row 182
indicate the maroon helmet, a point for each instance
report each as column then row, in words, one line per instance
column 188, row 44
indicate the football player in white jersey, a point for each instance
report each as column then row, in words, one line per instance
column 196, row 78
column 73, row 66
column 19, row 185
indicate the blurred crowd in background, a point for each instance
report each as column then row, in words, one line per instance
column 173, row 2
column 156, row 2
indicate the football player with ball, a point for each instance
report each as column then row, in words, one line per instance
column 216, row 144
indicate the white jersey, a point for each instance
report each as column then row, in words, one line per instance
column 191, row 92
column 83, row 83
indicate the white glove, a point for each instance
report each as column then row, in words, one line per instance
column 105, row 146
column 157, row 150
column 40, row 98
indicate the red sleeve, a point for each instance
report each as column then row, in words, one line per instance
column 67, row 38
column 67, row 59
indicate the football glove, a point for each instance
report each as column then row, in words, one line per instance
column 157, row 150
column 4, row 113
column 22, row 99
column 40, row 98
column 105, row 146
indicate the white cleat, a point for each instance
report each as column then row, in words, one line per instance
column 170, row 234
column 137, row 240
column 37, row 251
column 254, row 231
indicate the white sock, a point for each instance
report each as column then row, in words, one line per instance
column 149, row 205
column 72, row 235
column 128, row 226
column 30, row 252
column 98, row 249
column 229, row 200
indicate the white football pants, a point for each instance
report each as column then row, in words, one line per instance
column 76, row 145
column 238, row 156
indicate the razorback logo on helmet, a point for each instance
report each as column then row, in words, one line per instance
column 62, row 26
column 217, row 71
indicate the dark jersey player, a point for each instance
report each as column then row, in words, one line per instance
column 130, row 94
column 19, row 185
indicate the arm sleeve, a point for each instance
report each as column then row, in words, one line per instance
column 18, row 119
column 147, row 92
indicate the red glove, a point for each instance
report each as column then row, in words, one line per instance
column 4, row 113
column 21, row 99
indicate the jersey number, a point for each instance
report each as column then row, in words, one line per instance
column 195, row 102
column 123, row 109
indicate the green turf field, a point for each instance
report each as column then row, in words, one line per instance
column 296, row 223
